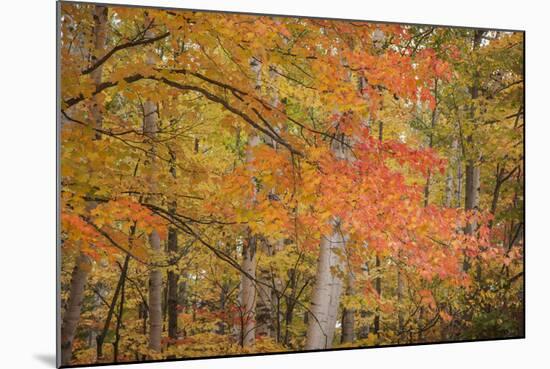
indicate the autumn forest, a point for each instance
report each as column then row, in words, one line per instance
column 236, row 184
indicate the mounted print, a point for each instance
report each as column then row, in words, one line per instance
column 241, row 184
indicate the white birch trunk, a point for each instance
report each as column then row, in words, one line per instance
column 326, row 292
column 247, row 293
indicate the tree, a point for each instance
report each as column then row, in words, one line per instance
column 83, row 263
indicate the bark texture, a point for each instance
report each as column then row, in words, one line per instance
column 72, row 312
column 155, row 298
column 326, row 292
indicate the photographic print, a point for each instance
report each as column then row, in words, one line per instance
column 240, row 184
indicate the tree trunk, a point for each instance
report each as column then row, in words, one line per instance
column 248, row 293
column 326, row 292
column 264, row 307
column 247, row 328
column 155, row 298
column 328, row 282
column 494, row 202
column 83, row 263
column 101, row 338
column 378, row 288
column 223, row 299
column 378, row 280
column 120, row 314
column 348, row 314
column 501, row 177
column 172, row 298
column 472, row 192
column 471, row 202
column 172, row 288
column 435, row 115
column 400, row 319
column 364, row 330
column 449, row 179
column 150, row 128
column 290, row 304
column 155, row 275
column 348, row 326
column 72, row 313
column 100, row 37
column 458, row 191
column 336, row 285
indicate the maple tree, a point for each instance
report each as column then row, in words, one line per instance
column 236, row 184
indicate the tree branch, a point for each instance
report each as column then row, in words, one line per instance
column 117, row 48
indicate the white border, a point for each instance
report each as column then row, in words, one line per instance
column 27, row 183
